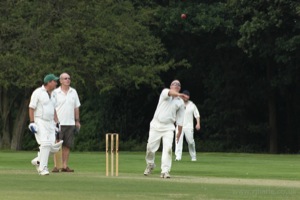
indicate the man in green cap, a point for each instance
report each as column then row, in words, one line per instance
column 43, row 119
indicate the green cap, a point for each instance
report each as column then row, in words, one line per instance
column 50, row 77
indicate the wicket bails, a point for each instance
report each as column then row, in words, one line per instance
column 113, row 140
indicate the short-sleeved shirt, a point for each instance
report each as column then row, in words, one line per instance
column 43, row 104
column 66, row 104
column 169, row 110
column 191, row 111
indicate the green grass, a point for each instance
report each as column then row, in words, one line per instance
column 213, row 176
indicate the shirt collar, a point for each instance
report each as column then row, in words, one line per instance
column 59, row 89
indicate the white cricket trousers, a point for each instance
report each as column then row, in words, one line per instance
column 45, row 137
column 189, row 136
column 153, row 144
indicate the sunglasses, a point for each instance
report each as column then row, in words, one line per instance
column 68, row 78
column 176, row 84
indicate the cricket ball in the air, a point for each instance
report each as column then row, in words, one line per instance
column 183, row 16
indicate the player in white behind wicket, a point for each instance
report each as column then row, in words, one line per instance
column 191, row 111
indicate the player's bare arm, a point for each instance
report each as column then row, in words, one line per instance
column 55, row 117
column 198, row 124
column 174, row 93
column 77, row 119
column 178, row 133
column 31, row 114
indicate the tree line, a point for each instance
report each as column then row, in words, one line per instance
column 239, row 60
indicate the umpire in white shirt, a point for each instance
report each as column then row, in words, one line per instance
column 67, row 109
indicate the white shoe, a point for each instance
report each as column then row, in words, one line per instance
column 177, row 159
column 194, row 159
column 165, row 175
column 35, row 163
column 44, row 171
column 149, row 169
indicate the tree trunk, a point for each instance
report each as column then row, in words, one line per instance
column 291, row 123
column 273, row 131
column 4, row 112
column 5, row 139
column 20, row 125
column 273, row 125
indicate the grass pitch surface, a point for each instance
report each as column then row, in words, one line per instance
column 213, row 176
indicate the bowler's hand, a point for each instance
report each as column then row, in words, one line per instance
column 183, row 96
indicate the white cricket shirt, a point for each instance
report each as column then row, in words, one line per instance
column 191, row 111
column 65, row 106
column 169, row 110
column 43, row 104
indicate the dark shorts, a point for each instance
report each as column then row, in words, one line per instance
column 67, row 135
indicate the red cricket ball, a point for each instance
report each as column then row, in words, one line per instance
column 183, row 16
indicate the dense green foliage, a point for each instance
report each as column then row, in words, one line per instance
column 245, row 69
column 239, row 59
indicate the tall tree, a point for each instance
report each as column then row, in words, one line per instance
column 105, row 45
column 269, row 30
column 20, row 46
